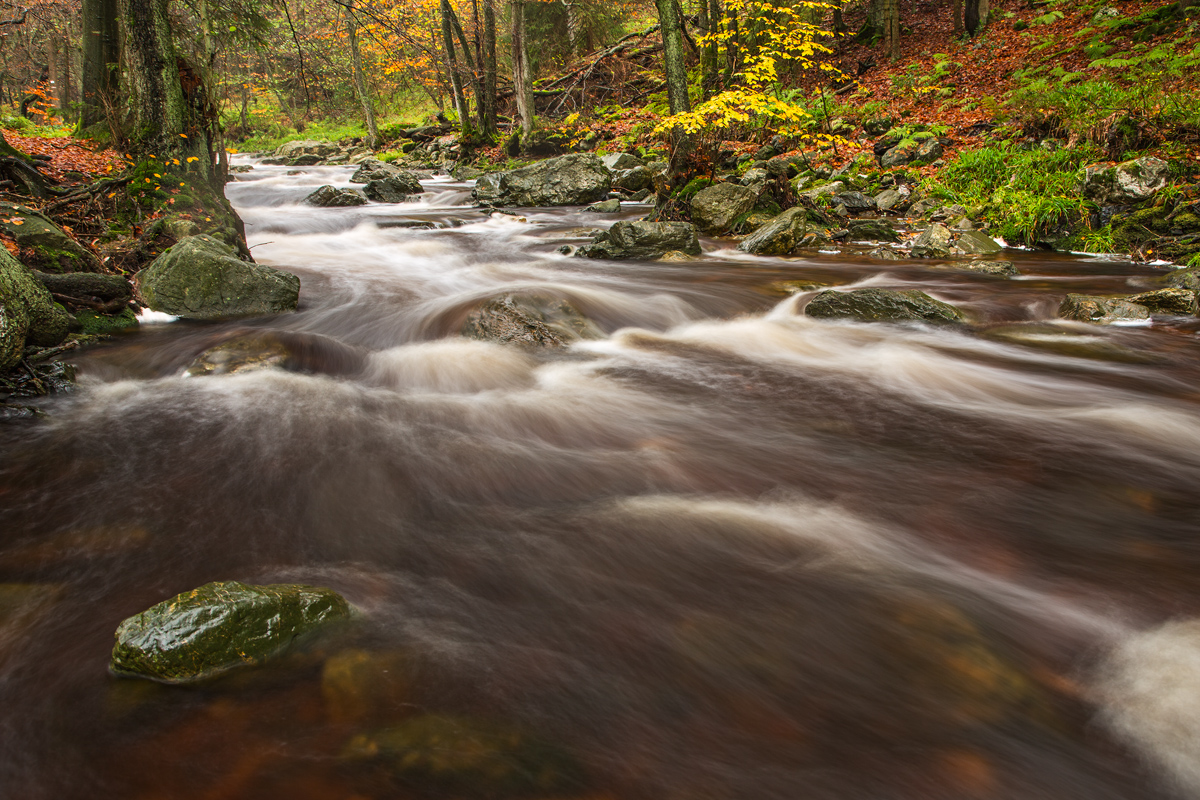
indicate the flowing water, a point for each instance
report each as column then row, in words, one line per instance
column 726, row 552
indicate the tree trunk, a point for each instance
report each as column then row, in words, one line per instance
column 170, row 113
column 476, row 84
column 889, row 22
column 574, row 26
column 976, row 15
column 490, row 124
column 53, row 100
column 460, row 102
column 360, row 83
column 522, row 77
column 101, row 59
column 671, row 25
column 956, row 10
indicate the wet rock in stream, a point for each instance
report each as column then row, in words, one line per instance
column 532, row 321
column 1102, row 310
column 882, row 305
column 642, row 241
column 220, row 627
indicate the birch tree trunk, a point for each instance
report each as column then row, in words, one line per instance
column 522, row 76
column 460, row 101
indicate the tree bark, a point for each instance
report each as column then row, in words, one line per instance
column 490, row 124
column 476, row 83
column 360, row 83
column 460, row 101
column 673, row 55
column 522, row 76
column 889, row 22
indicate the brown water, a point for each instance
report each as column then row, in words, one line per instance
column 727, row 552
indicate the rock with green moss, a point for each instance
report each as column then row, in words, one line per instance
column 796, row 227
column 44, row 245
column 220, row 627
column 202, row 278
column 1127, row 182
column 1101, row 310
column 882, row 305
column 976, row 243
column 715, row 208
column 467, row 757
column 873, row 230
column 329, row 196
column 571, row 180
column 94, row 323
column 28, row 314
column 934, row 242
column 1167, row 301
column 93, row 285
column 642, row 241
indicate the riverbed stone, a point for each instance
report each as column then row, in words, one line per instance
column 934, row 242
column 372, row 169
column 889, row 199
column 1101, row 310
column 93, row 323
column 467, row 757
column 306, row 147
column 202, row 278
column 329, row 196
column 977, row 243
column 633, row 180
column 1127, row 182
column 920, row 152
column 610, row 206
column 885, row 253
column 639, row 240
column 43, row 245
column 1167, row 301
column 621, row 161
column 575, row 179
column 826, row 190
column 855, row 202
column 715, row 207
column 796, row 227
column 984, row 267
column 881, row 305
column 530, row 321
column 387, row 190
column 221, row 627
column 873, row 230
column 28, row 314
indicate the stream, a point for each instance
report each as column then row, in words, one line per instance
column 725, row 552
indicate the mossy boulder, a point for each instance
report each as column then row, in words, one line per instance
column 872, row 230
column 571, row 180
column 642, row 241
column 220, row 627
column 466, row 757
column 1177, row 301
column 202, row 278
column 28, row 314
column 715, row 208
column 934, row 242
column 373, row 169
column 976, row 243
column 1101, row 310
column 387, row 190
column 329, row 196
column 1127, row 182
column 882, row 305
column 44, row 245
column 796, row 227
column 86, row 285
column 93, row 322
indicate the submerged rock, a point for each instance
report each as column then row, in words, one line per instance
column 714, row 208
column 534, row 321
column 872, row 230
column 881, row 305
column 331, row 197
column 202, row 278
column 984, row 267
column 642, row 240
column 612, row 206
column 1102, row 310
column 887, row 254
column 467, row 757
column 28, row 314
column 220, row 627
column 1167, row 301
column 571, row 180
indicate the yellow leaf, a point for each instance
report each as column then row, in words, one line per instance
column 183, row 135
column 157, row 175
column 192, row 158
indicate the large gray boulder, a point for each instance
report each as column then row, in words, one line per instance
column 329, row 196
column 572, row 180
column 796, row 227
column 621, row 161
column 714, row 208
column 920, row 152
column 1167, row 301
column 1101, row 310
column 881, row 305
column 306, row 147
column 531, row 321
column 387, row 190
column 934, row 242
column 975, row 243
column 1128, row 182
column 44, row 245
column 642, row 241
column 633, row 180
column 373, row 169
column 220, row 627
column 874, row 230
column 201, row 278
column 28, row 314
